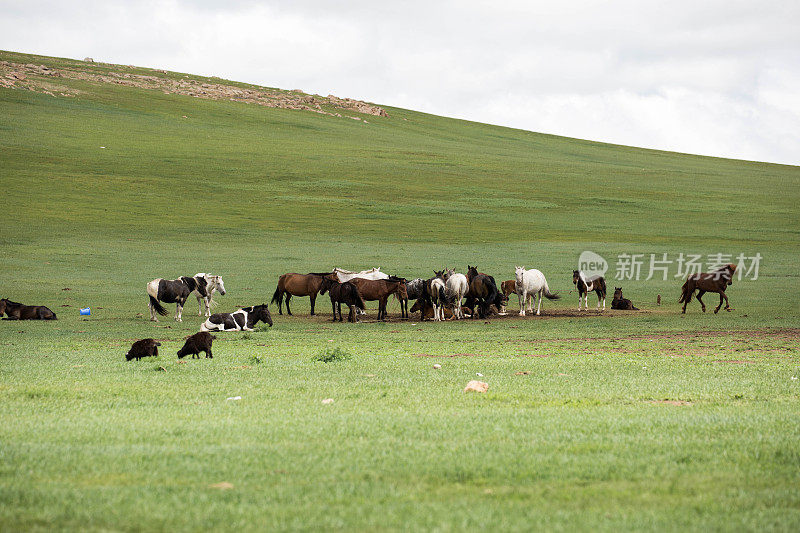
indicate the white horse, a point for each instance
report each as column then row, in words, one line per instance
column 372, row 273
column 456, row 287
column 437, row 295
column 530, row 284
column 213, row 283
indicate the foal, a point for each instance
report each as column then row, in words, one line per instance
column 586, row 285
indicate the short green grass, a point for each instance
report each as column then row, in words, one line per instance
column 649, row 420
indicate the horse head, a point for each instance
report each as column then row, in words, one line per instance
column 576, row 275
column 438, row 274
column 3, row 304
column 617, row 293
column 262, row 313
column 519, row 272
column 472, row 271
column 326, row 284
column 217, row 283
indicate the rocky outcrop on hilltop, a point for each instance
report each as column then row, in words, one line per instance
column 39, row 78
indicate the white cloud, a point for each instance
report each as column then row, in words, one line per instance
column 715, row 78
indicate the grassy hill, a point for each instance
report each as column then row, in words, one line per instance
column 108, row 186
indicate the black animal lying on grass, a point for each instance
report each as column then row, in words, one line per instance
column 621, row 303
column 18, row 311
column 143, row 348
column 199, row 342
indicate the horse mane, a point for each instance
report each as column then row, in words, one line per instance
column 189, row 282
column 9, row 302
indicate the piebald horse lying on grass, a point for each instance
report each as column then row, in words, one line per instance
column 242, row 320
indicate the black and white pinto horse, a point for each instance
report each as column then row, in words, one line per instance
column 176, row 291
column 586, row 285
column 213, row 284
column 242, row 320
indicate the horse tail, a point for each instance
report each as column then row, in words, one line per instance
column 358, row 300
column 686, row 294
column 552, row 295
column 602, row 282
column 277, row 298
column 158, row 307
column 633, row 308
column 442, row 296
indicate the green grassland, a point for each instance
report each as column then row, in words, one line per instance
column 648, row 420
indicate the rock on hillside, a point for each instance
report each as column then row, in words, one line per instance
column 37, row 78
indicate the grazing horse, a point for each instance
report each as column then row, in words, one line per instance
column 530, row 284
column 456, row 286
column 434, row 295
column 174, row 291
column 18, row 311
column 586, row 285
column 213, row 284
column 293, row 284
column 716, row 281
column 242, row 320
column 623, row 304
column 346, row 275
column 483, row 290
column 508, row 287
column 380, row 289
column 342, row 293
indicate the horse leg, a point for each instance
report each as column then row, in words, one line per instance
column 727, row 305
column 288, row 297
column 720, row 304
column 579, row 301
column 700, row 293
column 313, row 299
column 523, row 297
column 152, row 311
column 538, row 297
column 333, row 305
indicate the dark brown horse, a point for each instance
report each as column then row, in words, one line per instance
column 623, row 304
column 483, row 291
column 380, row 290
column 17, row 311
column 293, row 284
column 342, row 293
column 716, row 281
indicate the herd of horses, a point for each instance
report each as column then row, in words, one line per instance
column 447, row 294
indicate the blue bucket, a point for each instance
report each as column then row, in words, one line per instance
column 86, row 311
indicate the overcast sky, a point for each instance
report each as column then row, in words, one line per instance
column 708, row 77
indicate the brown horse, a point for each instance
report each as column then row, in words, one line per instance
column 293, row 284
column 623, row 304
column 342, row 293
column 716, row 281
column 380, row 289
column 483, row 291
column 508, row 288
column 17, row 311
